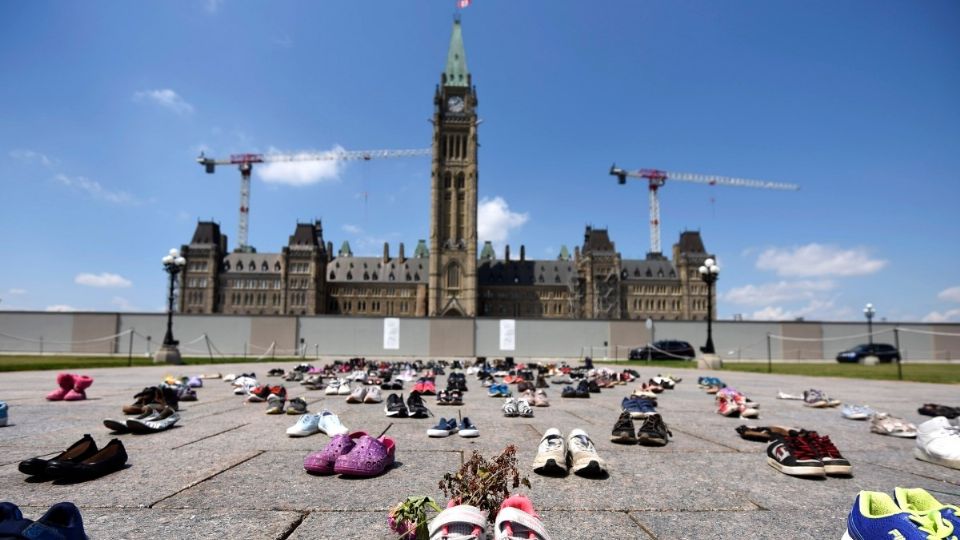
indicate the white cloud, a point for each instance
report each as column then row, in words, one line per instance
column 104, row 279
column 767, row 293
column 819, row 260
column 97, row 191
column 951, row 315
column 30, row 156
column 305, row 172
column 495, row 220
column 165, row 97
column 352, row 229
column 61, row 307
column 951, row 294
column 212, row 6
column 123, row 304
column 817, row 309
column 17, row 291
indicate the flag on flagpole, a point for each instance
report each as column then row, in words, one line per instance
column 463, row 3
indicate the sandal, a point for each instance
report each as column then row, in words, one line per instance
column 458, row 522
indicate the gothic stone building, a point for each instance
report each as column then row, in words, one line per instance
column 448, row 278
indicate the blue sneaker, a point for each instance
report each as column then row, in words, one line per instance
column 918, row 501
column 3, row 413
column 875, row 515
column 467, row 428
column 307, row 425
column 444, row 428
column 638, row 407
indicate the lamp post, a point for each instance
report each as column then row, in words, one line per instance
column 869, row 312
column 168, row 353
column 709, row 273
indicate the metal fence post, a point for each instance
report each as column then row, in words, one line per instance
column 896, row 341
column 769, row 355
column 130, row 349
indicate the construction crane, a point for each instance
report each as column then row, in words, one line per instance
column 657, row 178
column 245, row 163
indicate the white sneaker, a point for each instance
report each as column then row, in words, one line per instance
column 332, row 388
column 308, row 424
column 357, row 395
column 344, row 389
column 373, row 396
column 551, row 454
column 329, row 423
column 938, row 441
column 523, row 406
column 583, row 456
column 511, row 408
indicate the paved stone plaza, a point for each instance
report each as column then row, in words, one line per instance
column 228, row 470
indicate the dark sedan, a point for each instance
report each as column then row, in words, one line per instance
column 664, row 350
column 884, row 352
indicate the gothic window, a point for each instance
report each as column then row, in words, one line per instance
column 276, row 266
column 453, row 276
column 366, row 276
column 447, row 181
column 374, row 276
column 349, row 275
column 460, row 181
column 239, row 265
column 332, row 275
column 264, row 267
column 252, row 266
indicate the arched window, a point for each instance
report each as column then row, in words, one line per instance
column 239, row 265
column 453, row 276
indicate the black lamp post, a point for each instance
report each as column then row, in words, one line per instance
column 168, row 353
column 869, row 312
column 709, row 273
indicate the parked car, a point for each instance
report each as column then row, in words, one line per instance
column 668, row 349
column 883, row 351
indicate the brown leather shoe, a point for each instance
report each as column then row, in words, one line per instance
column 148, row 396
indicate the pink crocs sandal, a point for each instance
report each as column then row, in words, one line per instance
column 369, row 457
column 78, row 392
column 65, row 382
column 322, row 462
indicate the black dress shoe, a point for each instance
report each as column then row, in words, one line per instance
column 111, row 458
column 77, row 452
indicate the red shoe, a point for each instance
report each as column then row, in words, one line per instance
column 80, row 385
column 279, row 391
column 429, row 388
column 258, row 394
column 65, row 382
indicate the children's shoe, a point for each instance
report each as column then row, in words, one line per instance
column 332, row 388
column 369, row 457
column 80, row 385
column 330, row 424
column 258, row 394
column 467, row 429
column 793, row 454
column 540, row 399
column 523, row 406
column 582, row 455
column 444, row 428
column 876, row 515
column 416, row 407
column 324, row 461
column 551, row 456
column 510, row 408
column 856, row 412
column 653, row 431
column 297, row 405
column 344, row 389
column 517, row 519
column 624, row 431
column 373, row 396
column 938, row 441
column 3, row 413
column 307, row 425
column 62, row 520
column 395, row 407
column 65, row 382
column 357, row 395
column 459, row 522
column 919, row 501
column 275, row 404
column 886, row 424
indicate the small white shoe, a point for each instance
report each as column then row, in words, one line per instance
column 330, row 424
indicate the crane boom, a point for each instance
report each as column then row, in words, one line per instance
column 656, row 179
column 245, row 163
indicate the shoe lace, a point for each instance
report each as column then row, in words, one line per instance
column 553, row 442
column 801, row 448
column 655, row 423
column 825, row 445
column 933, row 523
column 623, row 423
column 583, row 443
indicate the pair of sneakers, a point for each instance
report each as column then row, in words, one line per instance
column 818, row 399
column 325, row 422
column 577, row 454
column 807, row 453
column 513, row 407
column 653, row 431
column 361, row 394
column 444, row 428
column 337, row 387
column 911, row 514
column 516, row 519
column 414, row 407
column 732, row 403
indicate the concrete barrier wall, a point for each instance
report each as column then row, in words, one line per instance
column 94, row 333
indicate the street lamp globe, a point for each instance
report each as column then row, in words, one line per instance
column 869, row 312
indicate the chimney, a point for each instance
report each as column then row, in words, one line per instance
column 386, row 252
column 506, row 252
column 401, row 255
column 329, row 251
column 523, row 253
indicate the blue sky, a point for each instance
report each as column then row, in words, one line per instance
column 105, row 106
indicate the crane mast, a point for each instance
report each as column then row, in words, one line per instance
column 245, row 162
column 656, row 179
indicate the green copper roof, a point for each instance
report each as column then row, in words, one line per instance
column 487, row 254
column 421, row 252
column 345, row 250
column 456, row 70
column 564, row 254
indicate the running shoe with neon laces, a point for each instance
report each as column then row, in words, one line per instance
column 919, row 501
column 793, row 455
column 875, row 515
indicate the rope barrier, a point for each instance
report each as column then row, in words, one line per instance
column 54, row 342
column 839, row 338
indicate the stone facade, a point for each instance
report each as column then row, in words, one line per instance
column 448, row 279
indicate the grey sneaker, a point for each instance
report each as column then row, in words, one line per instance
column 275, row 404
column 551, row 454
column 511, row 408
column 523, row 406
column 583, row 456
column 297, row 405
column 152, row 424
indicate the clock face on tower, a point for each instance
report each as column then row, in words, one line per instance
column 455, row 104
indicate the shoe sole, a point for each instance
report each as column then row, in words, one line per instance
column 592, row 468
column 119, row 427
column 550, row 468
column 623, row 439
column 640, row 414
column 796, row 471
column 469, row 433
column 652, row 440
column 438, row 433
column 922, row 455
column 838, row 470
column 301, row 433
